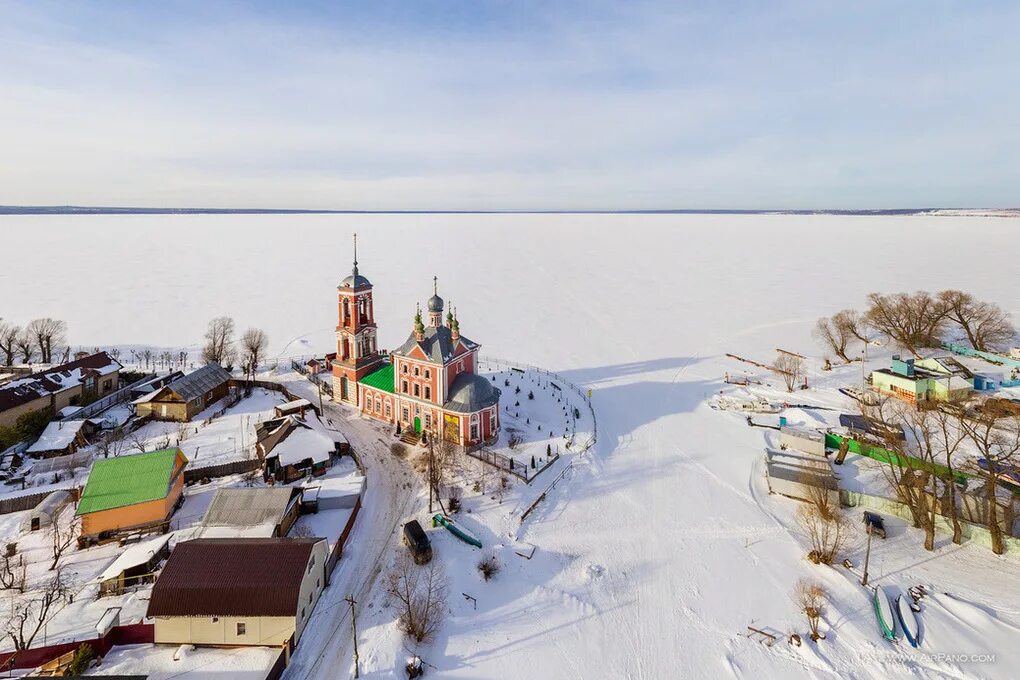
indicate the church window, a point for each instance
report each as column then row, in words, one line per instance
column 416, row 370
column 403, row 413
column 428, row 392
column 403, row 387
column 403, row 368
column 388, row 411
column 428, row 420
column 416, row 390
column 428, row 374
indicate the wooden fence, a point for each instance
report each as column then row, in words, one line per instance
column 26, row 502
column 236, row 467
column 338, row 548
column 133, row 634
column 121, row 395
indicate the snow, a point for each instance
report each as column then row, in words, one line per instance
column 134, row 555
column 300, row 444
column 661, row 545
column 194, row 663
column 57, row 435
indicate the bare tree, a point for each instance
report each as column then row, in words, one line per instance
column 997, row 438
column 147, row 356
column 810, row 597
column 137, row 441
column 30, row 614
column 61, row 538
column 8, row 341
column 219, row 346
column 421, row 596
column 254, row 345
column 903, row 470
column 791, row 368
column 112, row 443
column 827, row 534
column 47, row 333
column 838, row 332
column 13, row 576
column 25, row 345
column 912, row 320
column 115, row 353
column 987, row 326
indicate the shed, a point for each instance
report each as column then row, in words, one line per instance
column 335, row 493
column 61, row 438
column 134, row 566
column 131, row 492
column 254, row 591
column 802, row 439
column 43, row 515
column 295, row 408
column 277, row 507
column 292, row 449
column 798, row 476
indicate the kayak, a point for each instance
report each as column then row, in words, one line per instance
column 884, row 613
column 908, row 620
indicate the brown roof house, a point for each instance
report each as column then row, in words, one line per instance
column 292, row 449
column 238, row 591
column 186, row 397
column 70, row 384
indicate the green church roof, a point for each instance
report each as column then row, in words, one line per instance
column 127, row 480
column 381, row 379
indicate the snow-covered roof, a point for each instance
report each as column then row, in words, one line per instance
column 325, row 487
column 133, row 556
column 249, row 507
column 294, row 405
column 68, row 411
column 57, row 435
column 301, row 443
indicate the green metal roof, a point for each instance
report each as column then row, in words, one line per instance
column 381, row 379
column 127, row 480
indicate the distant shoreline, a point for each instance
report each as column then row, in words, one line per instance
column 109, row 210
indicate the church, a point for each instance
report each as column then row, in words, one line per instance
column 428, row 384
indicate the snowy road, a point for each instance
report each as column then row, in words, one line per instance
column 325, row 645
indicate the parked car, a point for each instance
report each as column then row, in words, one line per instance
column 874, row 523
column 418, row 542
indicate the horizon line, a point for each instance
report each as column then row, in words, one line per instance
column 135, row 210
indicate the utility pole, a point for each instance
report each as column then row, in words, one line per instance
column 319, row 383
column 354, row 632
column 430, row 475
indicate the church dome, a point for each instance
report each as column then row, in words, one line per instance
column 471, row 392
column 355, row 280
column 435, row 304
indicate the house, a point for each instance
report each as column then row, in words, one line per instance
column 277, row 508
column 800, row 476
column 184, row 398
column 62, row 438
column 139, row 491
column 238, row 591
column 135, row 565
column 315, row 366
column 932, row 379
column 74, row 383
column 292, row 449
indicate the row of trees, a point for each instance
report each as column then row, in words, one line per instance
column 925, row 467
column 43, row 338
column 917, row 320
column 221, row 348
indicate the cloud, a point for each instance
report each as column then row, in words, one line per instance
column 508, row 105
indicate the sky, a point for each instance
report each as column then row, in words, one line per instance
column 500, row 105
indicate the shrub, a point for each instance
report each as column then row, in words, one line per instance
column 80, row 662
column 489, row 567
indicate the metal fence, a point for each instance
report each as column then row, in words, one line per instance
column 112, row 399
column 584, row 446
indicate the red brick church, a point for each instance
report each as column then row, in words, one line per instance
column 428, row 384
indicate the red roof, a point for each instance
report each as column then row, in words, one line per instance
column 233, row 577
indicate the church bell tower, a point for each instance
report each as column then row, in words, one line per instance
column 357, row 354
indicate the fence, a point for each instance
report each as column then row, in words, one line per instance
column 581, row 392
column 236, row 467
column 507, row 464
column 886, row 456
column 133, row 634
column 326, row 386
column 123, row 394
column 26, row 502
column 338, row 547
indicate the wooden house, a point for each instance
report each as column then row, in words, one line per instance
column 186, row 397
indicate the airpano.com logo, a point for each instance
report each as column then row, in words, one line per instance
column 933, row 657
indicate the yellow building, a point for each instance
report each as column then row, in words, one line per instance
column 238, row 591
column 187, row 396
column 90, row 377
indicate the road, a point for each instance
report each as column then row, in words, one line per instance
column 325, row 644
